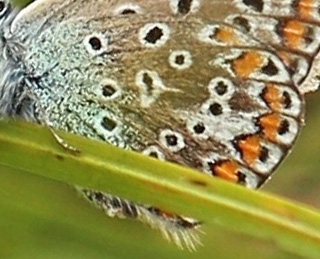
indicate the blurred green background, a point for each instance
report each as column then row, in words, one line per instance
column 298, row 177
column 40, row 218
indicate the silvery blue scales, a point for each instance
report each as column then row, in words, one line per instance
column 214, row 85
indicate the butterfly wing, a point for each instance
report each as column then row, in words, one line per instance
column 177, row 80
column 213, row 85
column 291, row 28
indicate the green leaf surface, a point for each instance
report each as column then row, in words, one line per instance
column 237, row 221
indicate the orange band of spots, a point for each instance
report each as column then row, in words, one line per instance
column 226, row 35
column 293, row 33
column 305, row 8
column 272, row 97
column 250, row 148
column 247, row 64
column 270, row 124
column 227, row 170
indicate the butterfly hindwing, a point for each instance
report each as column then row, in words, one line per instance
column 204, row 90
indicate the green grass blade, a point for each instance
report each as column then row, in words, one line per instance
column 223, row 207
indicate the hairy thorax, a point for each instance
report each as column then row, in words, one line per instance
column 15, row 100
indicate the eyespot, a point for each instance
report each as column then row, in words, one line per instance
column 172, row 140
column 180, row 60
column 264, row 154
column 221, row 88
column 216, row 109
column 154, row 35
column 199, row 128
column 270, row 69
column 255, row 5
column 154, row 151
column 284, row 127
column 106, row 90
column 108, row 124
column 184, row 6
column 149, row 80
column 287, row 102
column 213, row 108
column 150, row 86
column 242, row 23
column 96, row 44
column 128, row 9
column 109, row 89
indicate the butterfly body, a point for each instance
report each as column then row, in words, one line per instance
column 217, row 86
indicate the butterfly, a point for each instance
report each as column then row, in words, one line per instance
column 214, row 85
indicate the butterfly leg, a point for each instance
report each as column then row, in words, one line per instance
column 60, row 140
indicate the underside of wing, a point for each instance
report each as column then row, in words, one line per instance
column 213, row 85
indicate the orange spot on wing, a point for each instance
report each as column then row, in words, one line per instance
column 270, row 124
column 227, row 170
column 271, row 95
column 248, row 63
column 250, row 149
column 293, row 33
column 226, row 35
column 305, row 8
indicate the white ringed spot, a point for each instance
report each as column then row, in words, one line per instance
column 155, row 152
column 150, row 86
column 108, row 89
column 221, row 88
column 180, row 59
column 96, row 43
column 127, row 9
column 154, row 35
column 171, row 140
column 184, row 6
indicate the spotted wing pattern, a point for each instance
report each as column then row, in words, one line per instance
column 213, row 85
